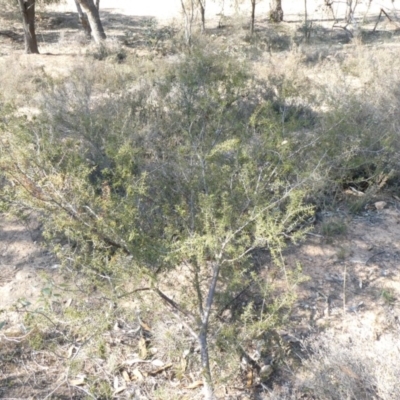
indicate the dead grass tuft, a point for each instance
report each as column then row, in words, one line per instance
column 353, row 367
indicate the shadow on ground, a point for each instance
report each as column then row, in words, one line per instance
column 138, row 32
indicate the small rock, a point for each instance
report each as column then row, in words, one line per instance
column 153, row 350
column 380, row 205
column 266, row 371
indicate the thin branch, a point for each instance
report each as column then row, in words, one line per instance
column 19, row 338
column 234, row 299
column 252, row 219
column 134, row 291
column 197, row 287
column 173, row 305
column 176, row 310
column 211, row 293
column 63, row 382
column 373, row 256
column 240, row 256
column 379, row 18
column 37, row 192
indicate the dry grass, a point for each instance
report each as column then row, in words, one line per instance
column 353, row 367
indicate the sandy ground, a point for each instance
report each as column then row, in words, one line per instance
column 22, row 259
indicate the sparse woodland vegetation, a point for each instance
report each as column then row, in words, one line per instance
column 171, row 173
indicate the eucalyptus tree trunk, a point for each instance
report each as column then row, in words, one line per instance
column 276, row 12
column 328, row 5
column 92, row 12
column 349, row 10
column 305, row 13
column 306, row 30
column 27, row 8
column 83, row 19
column 188, row 10
column 202, row 7
column 253, row 16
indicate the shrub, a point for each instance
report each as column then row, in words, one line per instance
column 180, row 179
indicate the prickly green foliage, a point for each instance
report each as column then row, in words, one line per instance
column 178, row 173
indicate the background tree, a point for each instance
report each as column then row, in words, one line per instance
column 276, row 11
column 27, row 8
column 202, row 8
column 83, row 19
column 90, row 20
column 351, row 6
column 253, row 15
column 188, row 11
column 306, row 26
column 349, row 11
column 93, row 16
column 329, row 6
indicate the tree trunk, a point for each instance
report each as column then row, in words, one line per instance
column 276, row 12
column 253, row 16
column 188, row 10
column 306, row 31
column 202, row 6
column 349, row 11
column 83, row 19
column 94, row 19
column 305, row 13
column 208, row 388
column 98, row 4
column 27, row 8
column 205, row 364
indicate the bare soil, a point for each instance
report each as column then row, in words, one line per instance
column 354, row 275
